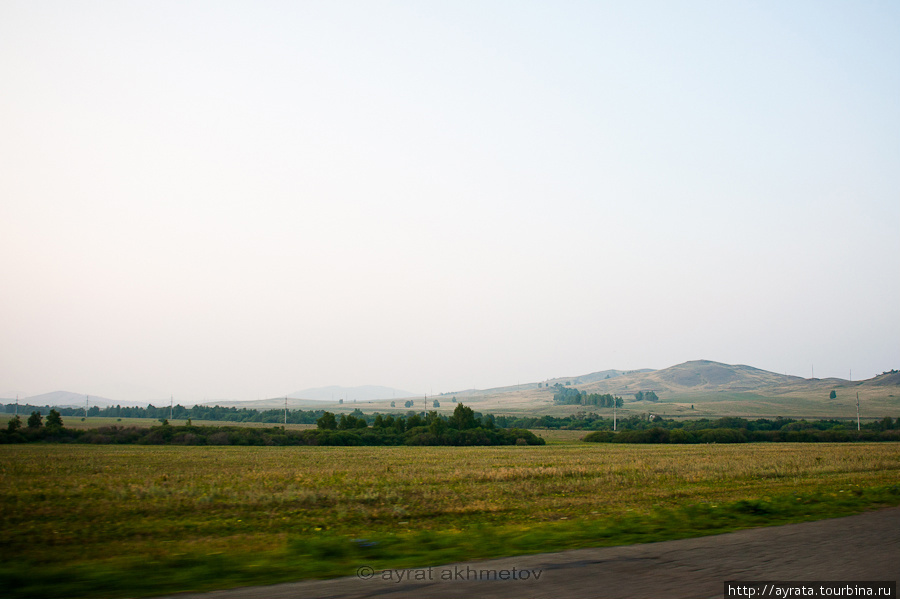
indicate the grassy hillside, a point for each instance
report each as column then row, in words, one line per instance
column 704, row 388
column 699, row 388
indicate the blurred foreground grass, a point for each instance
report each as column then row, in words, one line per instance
column 110, row 521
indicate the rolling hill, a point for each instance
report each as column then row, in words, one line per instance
column 702, row 388
column 698, row 388
column 363, row 393
column 67, row 398
column 695, row 377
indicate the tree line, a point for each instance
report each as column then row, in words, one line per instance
column 570, row 396
column 463, row 427
column 739, row 430
column 739, row 435
column 595, row 422
column 179, row 412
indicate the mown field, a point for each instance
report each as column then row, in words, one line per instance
column 110, row 521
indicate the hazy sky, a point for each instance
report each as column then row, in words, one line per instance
column 242, row 199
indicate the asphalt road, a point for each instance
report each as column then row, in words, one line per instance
column 855, row 548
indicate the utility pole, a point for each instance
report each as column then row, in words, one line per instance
column 17, row 404
column 285, row 410
column 857, row 411
column 171, row 406
column 86, row 405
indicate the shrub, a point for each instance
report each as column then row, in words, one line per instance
column 14, row 424
column 220, row 438
column 600, row 437
column 327, row 422
column 54, row 420
column 186, row 439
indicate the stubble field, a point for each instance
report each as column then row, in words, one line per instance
column 107, row 521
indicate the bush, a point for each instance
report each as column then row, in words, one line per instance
column 726, row 435
column 221, row 438
column 14, row 424
column 327, row 422
column 35, row 420
column 54, row 420
column 600, row 437
column 186, row 439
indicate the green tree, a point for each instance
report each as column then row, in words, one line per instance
column 436, row 404
column 833, row 394
column 463, row 418
column 399, row 424
column 54, row 420
column 349, row 421
column 35, row 420
column 438, row 426
column 327, row 422
column 14, row 424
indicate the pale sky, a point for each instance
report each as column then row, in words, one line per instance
column 238, row 200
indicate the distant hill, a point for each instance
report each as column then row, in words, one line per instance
column 364, row 393
column 693, row 389
column 696, row 376
column 562, row 380
column 701, row 388
column 67, row 398
column 704, row 387
column 602, row 375
column 884, row 379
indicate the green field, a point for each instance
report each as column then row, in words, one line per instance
column 109, row 521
